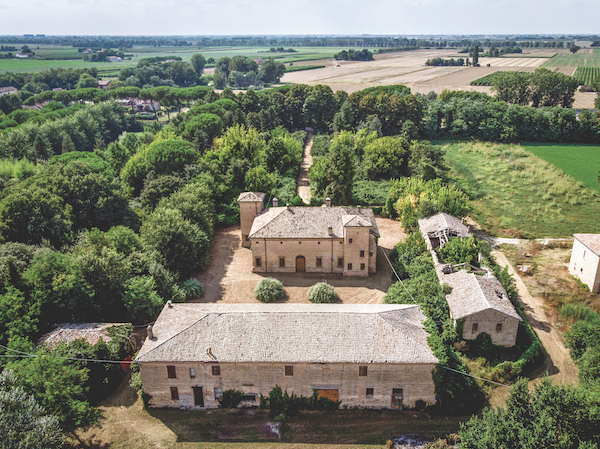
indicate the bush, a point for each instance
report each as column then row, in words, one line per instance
column 231, row 398
column 321, row 293
column 269, row 290
column 193, row 288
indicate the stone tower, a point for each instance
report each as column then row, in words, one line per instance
column 251, row 204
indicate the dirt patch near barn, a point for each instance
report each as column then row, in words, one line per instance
column 230, row 278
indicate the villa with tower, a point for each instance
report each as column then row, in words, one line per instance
column 308, row 239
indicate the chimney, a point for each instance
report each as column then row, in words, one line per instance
column 330, row 230
column 170, row 303
column 359, row 209
column 209, row 351
column 150, row 333
column 275, row 202
column 328, row 202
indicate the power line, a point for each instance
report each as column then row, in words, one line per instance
column 394, row 270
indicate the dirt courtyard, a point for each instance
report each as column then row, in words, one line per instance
column 230, row 278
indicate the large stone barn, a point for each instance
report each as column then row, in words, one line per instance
column 308, row 239
column 585, row 260
column 483, row 304
column 364, row 355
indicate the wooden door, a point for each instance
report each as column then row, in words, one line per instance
column 397, row 396
column 334, row 395
column 300, row 264
column 198, row 397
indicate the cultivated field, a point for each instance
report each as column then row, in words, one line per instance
column 574, row 60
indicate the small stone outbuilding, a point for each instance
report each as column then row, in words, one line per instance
column 364, row 355
column 440, row 228
column 585, row 260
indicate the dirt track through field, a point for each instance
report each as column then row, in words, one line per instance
column 303, row 182
column 558, row 364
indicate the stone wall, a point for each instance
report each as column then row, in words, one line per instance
column 260, row 378
column 248, row 212
column 584, row 265
column 487, row 321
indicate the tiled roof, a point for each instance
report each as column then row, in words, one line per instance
column 441, row 221
column 251, row 197
column 310, row 222
column 68, row 333
column 7, row 89
column 294, row 333
column 592, row 241
column 472, row 294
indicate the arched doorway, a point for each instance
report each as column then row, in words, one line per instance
column 300, row 264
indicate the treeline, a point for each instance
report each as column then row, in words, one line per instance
column 36, row 82
column 241, row 71
column 354, row 55
column 445, row 62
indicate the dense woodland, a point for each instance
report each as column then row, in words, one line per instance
column 105, row 218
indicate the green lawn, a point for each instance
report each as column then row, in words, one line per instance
column 517, row 194
column 574, row 60
column 582, row 162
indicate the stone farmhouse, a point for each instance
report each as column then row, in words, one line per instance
column 585, row 260
column 364, row 355
column 308, row 239
column 477, row 297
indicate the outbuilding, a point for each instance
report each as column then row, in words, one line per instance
column 585, row 260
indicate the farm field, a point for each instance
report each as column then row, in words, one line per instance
column 517, row 194
column 574, row 60
column 586, row 75
column 582, row 162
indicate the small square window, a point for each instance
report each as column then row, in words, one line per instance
column 341, row 243
column 318, row 243
column 475, row 327
column 362, row 370
column 289, row 370
column 218, row 392
column 362, row 266
column 362, row 254
column 499, row 327
column 299, row 243
column 174, row 394
column 349, row 266
column 349, row 240
column 370, row 392
column 250, row 397
column 258, row 261
column 216, row 370
column 319, row 262
column 282, row 261
column 246, row 238
column 171, row 374
column 257, row 243
column 192, row 373
column 340, row 262
column 281, row 243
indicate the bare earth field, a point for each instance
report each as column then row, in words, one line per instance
column 230, row 278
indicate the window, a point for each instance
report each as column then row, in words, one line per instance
column 257, row 243
column 281, row 243
column 250, row 397
column 349, row 266
column 246, row 237
column 171, row 372
column 370, row 393
column 174, row 394
column 340, row 262
column 349, row 240
column 216, row 370
column 319, row 262
column 362, row 253
column 362, row 370
column 370, row 254
column 362, row 266
column 299, row 243
column 318, row 243
column 499, row 327
column 218, row 393
column 474, row 327
column 192, row 373
column 289, row 370
column 282, row 261
column 258, row 261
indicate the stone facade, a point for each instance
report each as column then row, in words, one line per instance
column 503, row 329
column 251, row 204
column 255, row 379
column 585, row 260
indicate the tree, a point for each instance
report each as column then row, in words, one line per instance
column 550, row 417
column 475, row 56
column 271, row 71
column 24, row 424
column 198, row 62
column 338, row 170
column 141, row 300
column 86, row 81
column 9, row 103
column 384, row 158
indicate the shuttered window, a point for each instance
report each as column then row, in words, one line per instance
column 174, row 394
column 362, row 370
column 171, row 372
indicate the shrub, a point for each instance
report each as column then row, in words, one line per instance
column 231, row 398
column 322, row 292
column 193, row 288
column 269, row 290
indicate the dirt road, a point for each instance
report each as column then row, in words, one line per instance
column 303, row 183
column 558, row 365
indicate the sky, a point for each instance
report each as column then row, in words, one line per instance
column 264, row 17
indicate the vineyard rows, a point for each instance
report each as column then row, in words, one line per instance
column 585, row 76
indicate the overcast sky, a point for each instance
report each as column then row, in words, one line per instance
column 202, row 17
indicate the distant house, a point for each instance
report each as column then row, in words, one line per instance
column 364, row 355
column 88, row 51
column 25, row 55
column 585, row 260
column 114, row 59
column 103, row 84
column 8, row 90
column 439, row 228
column 308, row 239
column 141, row 105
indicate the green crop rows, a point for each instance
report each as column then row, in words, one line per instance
column 487, row 80
column 585, row 76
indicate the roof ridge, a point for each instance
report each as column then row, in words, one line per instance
column 271, row 220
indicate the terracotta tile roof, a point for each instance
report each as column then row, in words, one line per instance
column 310, row 222
column 251, row 197
column 294, row 333
column 7, row 89
column 592, row 241
column 442, row 221
column 472, row 294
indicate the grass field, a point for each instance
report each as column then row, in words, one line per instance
column 517, row 194
column 574, row 60
column 485, row 80
column 582, row 162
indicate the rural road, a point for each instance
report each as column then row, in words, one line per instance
column 560, row 367
column 303, row 183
